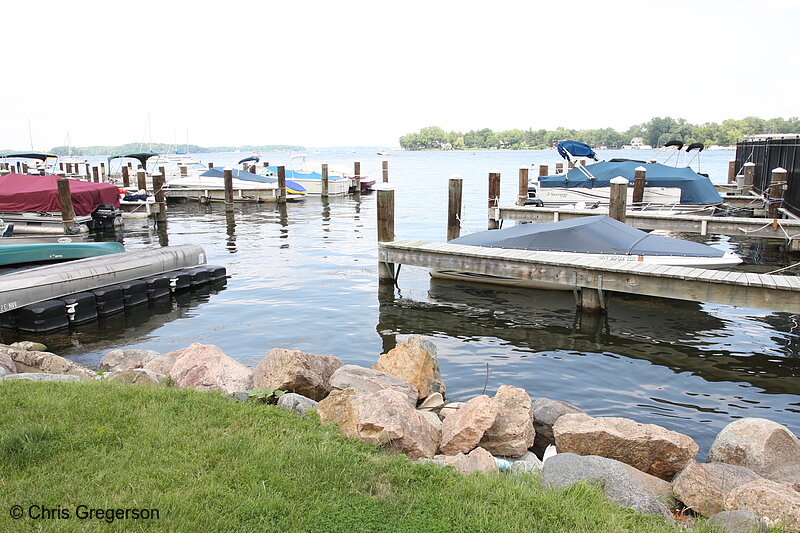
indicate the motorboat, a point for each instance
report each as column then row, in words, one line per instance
column 246, row 185
column 36, row 162
column 678, row 189
column 309, row 175
column 594, row 237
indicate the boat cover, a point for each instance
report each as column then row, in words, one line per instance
column 30, row 155
column 599, row 234
column 303, row 174
column 695, row 189
column 25, row 193
column 142, row 157
column 575, row 149
column 216, row 172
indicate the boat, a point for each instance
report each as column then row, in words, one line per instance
column 33, row 250
column 637, row 143
column 593, row 237
column 298, row 162
column 303, row 173
column 246, row 185
column 679, row 189
column 42, row 162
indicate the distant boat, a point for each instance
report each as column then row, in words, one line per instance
column 637, row 143
column 384, row 152
column 309, row 175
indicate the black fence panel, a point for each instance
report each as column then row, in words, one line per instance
column 769, row 153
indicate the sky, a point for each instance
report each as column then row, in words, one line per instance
column 348, row 73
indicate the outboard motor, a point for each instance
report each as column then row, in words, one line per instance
column 105, row 217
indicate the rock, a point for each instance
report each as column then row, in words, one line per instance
column 527, row 463
column 435, row 462
column 296, row 371
column 7, row 365
column 450, row 408
column 239, row 397
column 433, row 402
column 137, row 376
column 29, row 346
column 432, row 418
column 383, row 418
column 164, row 363
column 777, row 503
column 49, row 363
column 545, row 412
column 620, row 483
column 414, row 361
column 512, row 432
column 704, row 487
column 40, row 376
column 464, row 429
column 116, row 360
column 297, row 402
column 206, row 367
column 478, row 460
column 766, row 447
column 737, row 522
column 647, row 447
column 369, row 380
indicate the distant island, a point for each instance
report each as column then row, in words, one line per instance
column 163, row 148
column 655, row 132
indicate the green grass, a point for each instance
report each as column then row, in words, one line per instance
column 208, row 464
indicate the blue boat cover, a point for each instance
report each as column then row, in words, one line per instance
column 217, row 172
column 576, row 149
column 253, row 158
column 598, row 234
column 297, row 175
column 695, row 189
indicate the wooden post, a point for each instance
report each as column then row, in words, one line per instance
column 184, row 170
column 24, row 168
column 252, row 169
column 96, row 174
column 522, row 194
column 777, row 187
column 494, row 198
column 618, row 198
column 324, row 192
column 638, row 184
column 559, row 168
column 590, row 300
column 749, row 174
column 126, row 179
column 103, row 171
column 543, row 170
column 570, row 165
column 455, row 188
column 583, row 162
column 141, row 180
column 210, row 164
column 158, row 191
column 731, row 171
column 385, row 229
column 385, row 167
column 65, row 199
column 228, row 179
column 163, row 173
column 356, row 177
column 281, row 185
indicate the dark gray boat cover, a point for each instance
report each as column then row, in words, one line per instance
column 597, row 234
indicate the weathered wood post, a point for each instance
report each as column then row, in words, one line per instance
column 749, row 174
column 141, row 180
column 639, row 175
column 731, row 171
column 559, row 168
column 252, row 169
column 24, row 168
column 777, row 187
column 163, row 173
column 126, row 178
column 544, row 170
column 590, row 300
column 184, row 170
column 618, row 197
column 570, row 165
column 324, row 185
column 385, row 168
column 65, row 200
column 385, row 229
column 281, row 185
column 227, row 176
column 158, row 191
column 357, row 177
column 210, row 164
column 103, row 171
column 96, row 174
column 454, row 194
column 522, row 193
column 494, row 198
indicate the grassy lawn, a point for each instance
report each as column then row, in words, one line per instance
column 208, row 464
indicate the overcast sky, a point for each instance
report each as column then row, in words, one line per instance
column 335, row 72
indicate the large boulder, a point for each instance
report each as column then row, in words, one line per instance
column 621, row 484
column 777, row 503
column 29, row 346
column 478, row 460
column 383, row 418
column 40, row 376
column 206, row 367
column 464, row 429
column 369, row 380
column 414, row 361
column 296, row 371
column 45, row 362
column 123, row 359
column 297, row 403
column 164, row 363
column 704, row 487
column 764, row 446
column 7, row 365
column 650, row 448
column 512, row 432
column 545, row 413
column 137, row 376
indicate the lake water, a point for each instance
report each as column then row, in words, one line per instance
column 306, row 278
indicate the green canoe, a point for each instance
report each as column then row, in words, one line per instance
column 17, row 254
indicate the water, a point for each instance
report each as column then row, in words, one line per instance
column 306, row 278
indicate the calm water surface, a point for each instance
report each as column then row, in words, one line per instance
column 306, row 278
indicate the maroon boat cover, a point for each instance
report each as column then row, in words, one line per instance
column 21, row 192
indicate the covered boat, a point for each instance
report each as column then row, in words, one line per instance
column 22, row 193
column 598, row 237
column 246, row 185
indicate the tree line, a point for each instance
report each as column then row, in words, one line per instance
column 655, row 132
column 163, row 148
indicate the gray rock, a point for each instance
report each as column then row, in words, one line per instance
column 124, row 359
column 240, row 397
column 523, row 467
column 137, row 376
column 737, row 522
column 545, row 413
column 32, row 362
column 38, row 376
column 7, row 365
column 429, row 461
column 619, row 483
column 29, row 346
column 297, row 402
column 369, row 380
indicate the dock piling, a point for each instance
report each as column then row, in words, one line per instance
column 777, row 187
column 96, row 174
column 65, row 199
column 141, row 180
column 559, row 168
column 281, row 185
column 544, row 170
column 324, row 185
column 731, row 171
column 639, row 175
column 385, row 213
column 749, row 174
column 357, row 177
column 228, row 179
column 618, row 197
column 103, row 171
column 522, row 194
column 158, row 192
column 385, row 168
column 455, row 188
column 494, row 198
column 126, row 178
